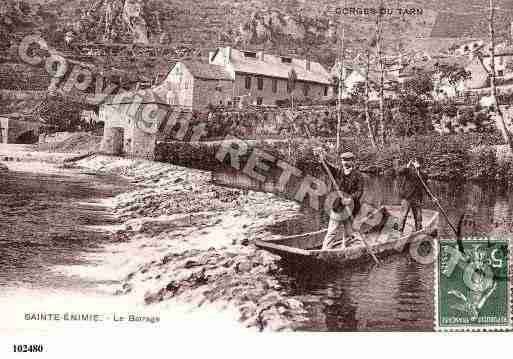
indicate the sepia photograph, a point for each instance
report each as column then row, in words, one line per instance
column 252, row 166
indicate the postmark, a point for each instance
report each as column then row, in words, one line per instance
column 472, row 288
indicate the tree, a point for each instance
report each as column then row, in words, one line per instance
column 360, row 97
column 372, row 137
column 379, row 54
column 499, row 117
column 454, row 74
column 414, row 96
column 291, row 85
column 340, row 89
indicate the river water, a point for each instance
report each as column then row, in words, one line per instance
column 43, row 217
column 398, row 294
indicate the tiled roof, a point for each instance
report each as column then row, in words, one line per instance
column 272, row 66
column 206, row 71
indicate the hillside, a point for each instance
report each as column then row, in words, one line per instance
column 286, row 26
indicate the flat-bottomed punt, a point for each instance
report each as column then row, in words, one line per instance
column 380, row 230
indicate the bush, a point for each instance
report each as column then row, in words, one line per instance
column 482, row 163
column 446, row 157
column 464, row 156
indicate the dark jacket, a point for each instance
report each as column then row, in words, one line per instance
column 410, row 186
column 351, row 184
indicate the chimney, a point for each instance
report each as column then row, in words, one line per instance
column 307, row 65
column 260, row 55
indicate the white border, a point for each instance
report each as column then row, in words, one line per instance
column 501, row 328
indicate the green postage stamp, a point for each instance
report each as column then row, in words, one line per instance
column 472, row 287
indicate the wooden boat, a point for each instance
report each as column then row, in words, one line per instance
column 380, row 229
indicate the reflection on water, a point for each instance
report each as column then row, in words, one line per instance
column 486, row 207
column 398, row 294
column 394, row 296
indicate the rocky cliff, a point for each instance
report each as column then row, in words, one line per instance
column 298, row 27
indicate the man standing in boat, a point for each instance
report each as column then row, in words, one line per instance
column 351, row 183
column 411, row 192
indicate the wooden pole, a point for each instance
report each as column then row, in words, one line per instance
column 366, row 104
column 343, row 196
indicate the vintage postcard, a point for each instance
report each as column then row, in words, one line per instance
column 262, row 166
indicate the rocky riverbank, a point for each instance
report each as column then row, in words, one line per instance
column 183, row 240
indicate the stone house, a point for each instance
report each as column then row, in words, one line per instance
column 16, row 128
column 503, row 70
column 196, row 85
column 132, row 122
column 262, row 79
column 357, row 74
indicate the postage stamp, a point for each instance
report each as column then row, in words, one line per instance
column 472, row 285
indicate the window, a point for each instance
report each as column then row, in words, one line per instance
column 259, row 100
column 500, row 73
column 306, row 88
column 260, row 83
column 248, row 82
column 286, row 60
column 250, row 54
column 325, row 90
column 275, row 85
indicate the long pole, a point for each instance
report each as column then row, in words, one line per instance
column 436, row 201
column 342, row 196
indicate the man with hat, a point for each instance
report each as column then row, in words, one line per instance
column 411, row 192
column 351, row 183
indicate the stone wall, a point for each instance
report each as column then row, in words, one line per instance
column 12, row 130
column 214, row 92
column 125, row 133
column 178, row 87
column 112, row 141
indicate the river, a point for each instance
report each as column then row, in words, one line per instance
column 398, row 294
column 44, row 212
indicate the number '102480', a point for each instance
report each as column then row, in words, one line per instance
column 27, row 348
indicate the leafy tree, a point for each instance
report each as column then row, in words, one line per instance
column 412, row 112
column 291, row 84
column 452, row 73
